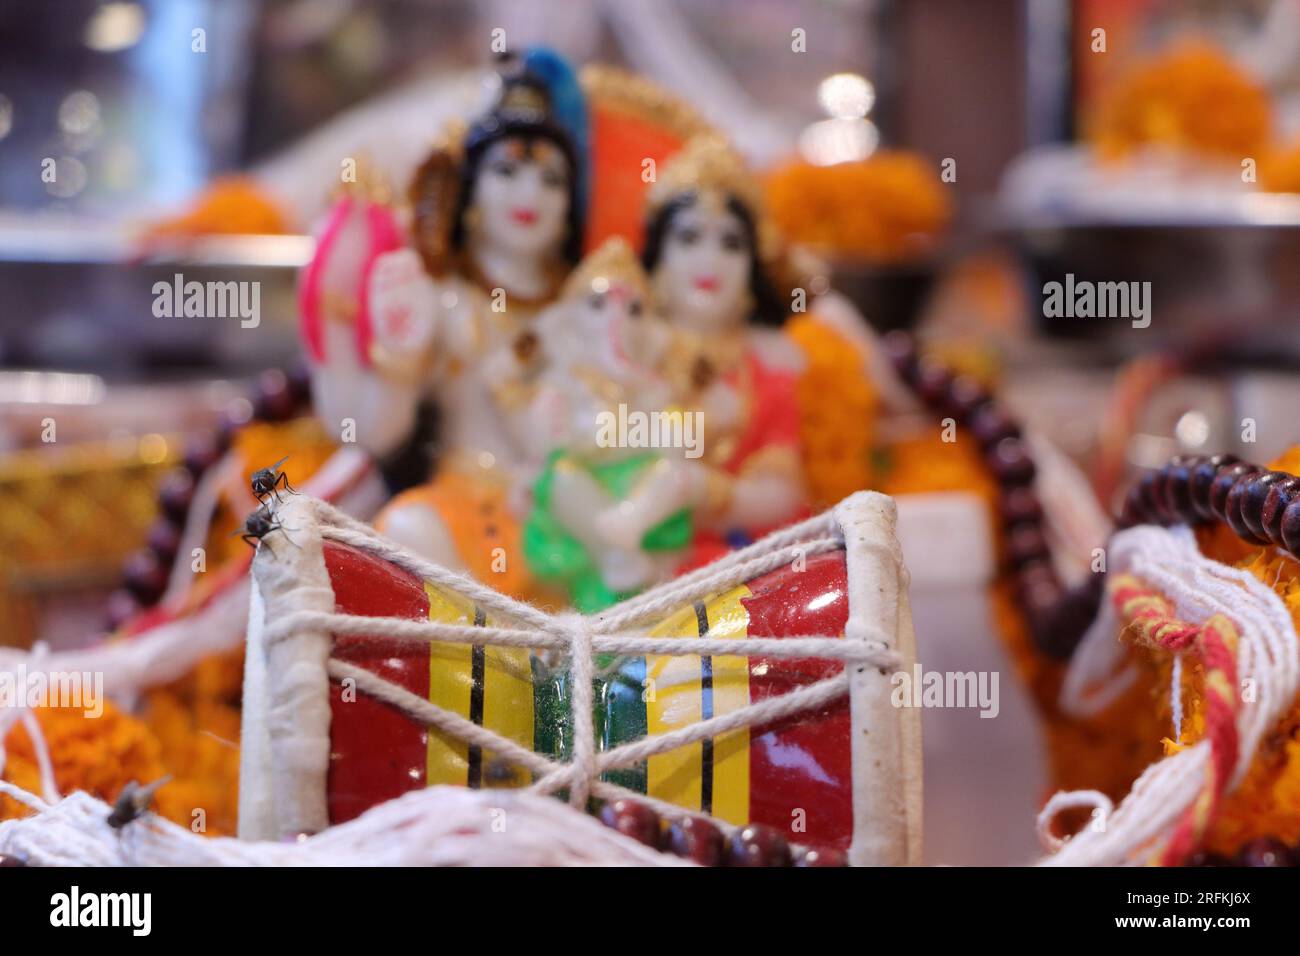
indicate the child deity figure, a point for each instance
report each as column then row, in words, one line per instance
column 612, row 507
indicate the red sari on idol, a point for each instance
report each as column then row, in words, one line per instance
column 768, row 439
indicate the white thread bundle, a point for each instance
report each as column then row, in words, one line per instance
column 437, row 826
column 1168, row 560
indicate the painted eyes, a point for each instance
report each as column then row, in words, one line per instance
column 597, row 302
column 686, row 236
column 731, row 240
column 551, row 178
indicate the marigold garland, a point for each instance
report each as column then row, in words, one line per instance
column 836, row 436
column 1191, row 97
column 888, row 209
column 1279, row 170
column 188, row 729
column 98, row 755
column 231, row 205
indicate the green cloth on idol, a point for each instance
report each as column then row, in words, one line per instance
column 555, row 555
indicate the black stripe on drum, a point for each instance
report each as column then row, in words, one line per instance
column 477, row 675
column 706, row 711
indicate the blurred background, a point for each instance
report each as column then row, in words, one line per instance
column 1066, row 151
column 945, row 159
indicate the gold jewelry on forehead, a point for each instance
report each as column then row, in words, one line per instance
column 713, row 201
column 707, row 163
column 613, row 261
column 708, row 167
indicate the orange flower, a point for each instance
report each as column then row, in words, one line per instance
column 98, row 755
column 189, row 729
column 1192, row 97
column 234, row 204
column 835, row 434
column 887, row 209
column 1279, row 169
column 925, row 462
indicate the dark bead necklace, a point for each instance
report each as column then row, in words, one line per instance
column 1262, row 507
column 277, row 397
column 1056, row 615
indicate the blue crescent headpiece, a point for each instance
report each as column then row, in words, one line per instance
column 568, row 107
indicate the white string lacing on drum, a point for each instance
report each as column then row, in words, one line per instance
column 576, row 639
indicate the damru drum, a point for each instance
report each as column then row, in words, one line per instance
column 371, row 672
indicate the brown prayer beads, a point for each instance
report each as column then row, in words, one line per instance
column 1261, row 506
column 698, row 840
column 1057, row 615
column 277, row 397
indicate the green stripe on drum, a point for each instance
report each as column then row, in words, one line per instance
column 552, row 719
column 621, row 718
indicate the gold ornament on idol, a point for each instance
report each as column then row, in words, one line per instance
column 705, row 163
column 710, row 168
column 614, row 262
column 522, row 98
column 433, row 195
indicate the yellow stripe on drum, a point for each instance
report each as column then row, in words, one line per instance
column 450, row 684
column 508, row 708
column 507, row 696
column 729, row 619
column 676, row 698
